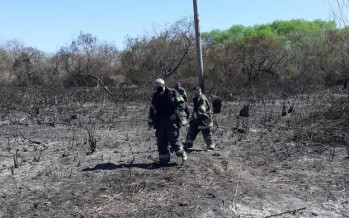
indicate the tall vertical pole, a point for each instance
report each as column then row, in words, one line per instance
column 198, row 46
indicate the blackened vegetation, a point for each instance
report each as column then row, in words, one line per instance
column 244, row 112
column 290, row 109
column 329, row 128
column 217, row 104
column 343, row 82
column 285, row 111
column 47, row 167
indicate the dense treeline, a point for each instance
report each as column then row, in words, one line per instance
column 279, row 59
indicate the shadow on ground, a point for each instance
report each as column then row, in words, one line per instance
column 112, row 166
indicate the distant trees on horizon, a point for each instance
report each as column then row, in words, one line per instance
column 283, row 57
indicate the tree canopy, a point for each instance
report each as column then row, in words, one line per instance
column 285, row 30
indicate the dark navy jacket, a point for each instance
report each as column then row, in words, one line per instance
column 175, row 104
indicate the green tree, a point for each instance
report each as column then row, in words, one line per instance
column 291, row 30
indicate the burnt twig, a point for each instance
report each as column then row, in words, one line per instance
column 288, row 211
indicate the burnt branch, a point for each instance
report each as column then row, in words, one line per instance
column 169, row 71
column 99, row 81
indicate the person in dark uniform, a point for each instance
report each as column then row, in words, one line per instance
column 167, row 115
column 200, row 120
column 183, row 93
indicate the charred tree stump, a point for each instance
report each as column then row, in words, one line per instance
column 245, row 111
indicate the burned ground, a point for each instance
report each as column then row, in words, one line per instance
column 265, row 165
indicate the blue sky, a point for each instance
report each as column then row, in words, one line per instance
column 50, row 24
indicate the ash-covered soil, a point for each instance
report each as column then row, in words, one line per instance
column 266, row 165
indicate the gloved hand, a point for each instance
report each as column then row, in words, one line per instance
column 173, row 117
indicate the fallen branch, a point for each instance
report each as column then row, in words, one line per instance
column 32, row 141
column 236, row 192
column 99, row 81
column 288, row 211
column 15, row 160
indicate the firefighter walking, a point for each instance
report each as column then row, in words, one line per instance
column 183, row 93
column 200, row 120
column 167, row 115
